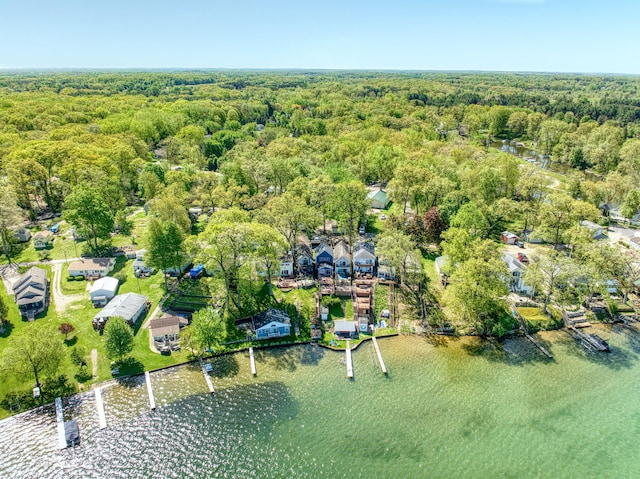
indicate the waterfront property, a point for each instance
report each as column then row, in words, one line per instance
column 345, row 329
column 129, row 306
column 272, row 323
column 516, row 270
column 31, row 292
column 92, row 268
column 166, row 332
column 342, row 261
column 103, row 290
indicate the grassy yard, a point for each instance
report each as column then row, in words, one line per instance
column 535, row 317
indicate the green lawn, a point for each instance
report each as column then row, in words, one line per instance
column 71, row 285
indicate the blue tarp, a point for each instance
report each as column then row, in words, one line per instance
column 55, row 228
column 197, row 271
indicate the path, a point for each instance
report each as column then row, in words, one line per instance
column 94, row 363
column 61, row 300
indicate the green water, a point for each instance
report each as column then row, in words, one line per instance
column 449, row 408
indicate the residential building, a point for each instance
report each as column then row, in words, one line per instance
column 595, row 229
column 378, row 198
column 165, row 331
column 507, row 237
column 92, row 268
column 342, row 260
column 23, row 235
column 31, row 292
column 364, row 261
column 286, row 266
column 272, row 323
column 42, row 239
column 345, row 329
column 324, row 260
column 516, row 270
column 130, row 306
column 139, row 266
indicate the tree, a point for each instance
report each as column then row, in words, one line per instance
column 66, row 329
column 165, row 246
column 10, row 216
column 321, row 190
column 207, row 330
column 118, row 338
column 548, row 274
column 91, row 216
column 475, row 292
column 350, row 207
column 4, row 312
column 36, row 350
column 269, row 245
column 561, row 212
column 396, row 249
column 471, row 219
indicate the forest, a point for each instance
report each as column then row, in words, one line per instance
column 269, row 157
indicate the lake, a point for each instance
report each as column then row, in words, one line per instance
column 449, row 408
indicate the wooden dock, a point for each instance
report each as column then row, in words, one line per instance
column 252, row 359
column 102, row 420
column 152, row 401
column 538, row 345
column 348, row 357
column 377, row 348
column 62, row 438
column 207, row 378
column 592, row 342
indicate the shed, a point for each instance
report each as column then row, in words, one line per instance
column 507, row 237
column 103, row 290
column 23, row 235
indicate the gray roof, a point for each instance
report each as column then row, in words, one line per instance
column 265, row 317
column 341, row 251
column 124, row 305
column 165, row 325
column 31, row 287
column 512, row 263
column 324, row 247
column 349, row 326
column 107, row 283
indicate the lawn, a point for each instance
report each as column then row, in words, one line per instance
column 71, row 285
column 534, row 316
column 380, row 299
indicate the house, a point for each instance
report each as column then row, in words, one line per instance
column 341, row 260
column 507, row 237
column 378, row 198
column 594, row 228
column 324, row 260
column 441, row 264
column 31, row 292
column 92, row 268
column 129, row 306
column 23, row 235
column 516, row 269
column 324, row 313
column 386, row 272
column 165, row 331
column 345, row 329
column 139, row 266
column 286, row 266
column 272, row 323
column 305, row 259
column 364, row 261
column 103, row 290
column 42, row 239
column 635, row 242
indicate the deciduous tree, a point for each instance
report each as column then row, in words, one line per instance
column 118, row 338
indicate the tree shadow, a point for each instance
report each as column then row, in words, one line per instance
column 440, row 340
column 71, row 341
column 290, row 357
column 5, row 330
column 225, row 366
column 515, row 351
column 130, row 366
column 121, row 262
column 617, row 359
column 83, row 375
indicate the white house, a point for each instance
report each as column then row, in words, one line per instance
column 516, row 270
column 363, row 261
column 103, row 290
column 286, row 266
column 92, row 268
column 345, row 328
column 129, row 306
column 341, row 259
column 42, row 239
column 139, row 266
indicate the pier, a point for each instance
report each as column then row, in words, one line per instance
column 349, row 363
column 525, row 330
column 252, row 359
column 102, row 420
column 593, row 342
column 538, row 345
column 62, row 438
column 207, row 378
column 152, row 401
column 377, row 348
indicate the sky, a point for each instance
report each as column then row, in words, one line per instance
column 591, row 36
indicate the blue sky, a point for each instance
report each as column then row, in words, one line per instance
column 502, row 35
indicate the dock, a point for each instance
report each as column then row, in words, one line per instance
column 252, row 359
column 62, row 438
column 102, row 420
column 593, row 342
column 538, row 345
column 207, row 378
column 152, row 401
column 349, row 363
column 377, row 348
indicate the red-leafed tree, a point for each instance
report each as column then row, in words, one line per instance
column 433, row 225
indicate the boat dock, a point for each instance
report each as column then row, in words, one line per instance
column 377, row 348
column 348, row 357
column 152, row 401
column 102, row 420
column 593, row 342
column 252, row 359
column 206, row 369
column 62, row 438
column 538, row 345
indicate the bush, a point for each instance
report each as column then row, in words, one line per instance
column 121, row 276
column 78, row 355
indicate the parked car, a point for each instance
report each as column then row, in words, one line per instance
column 520, row 244
column 523, row 258
column 383, row 217
column 361, row 230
